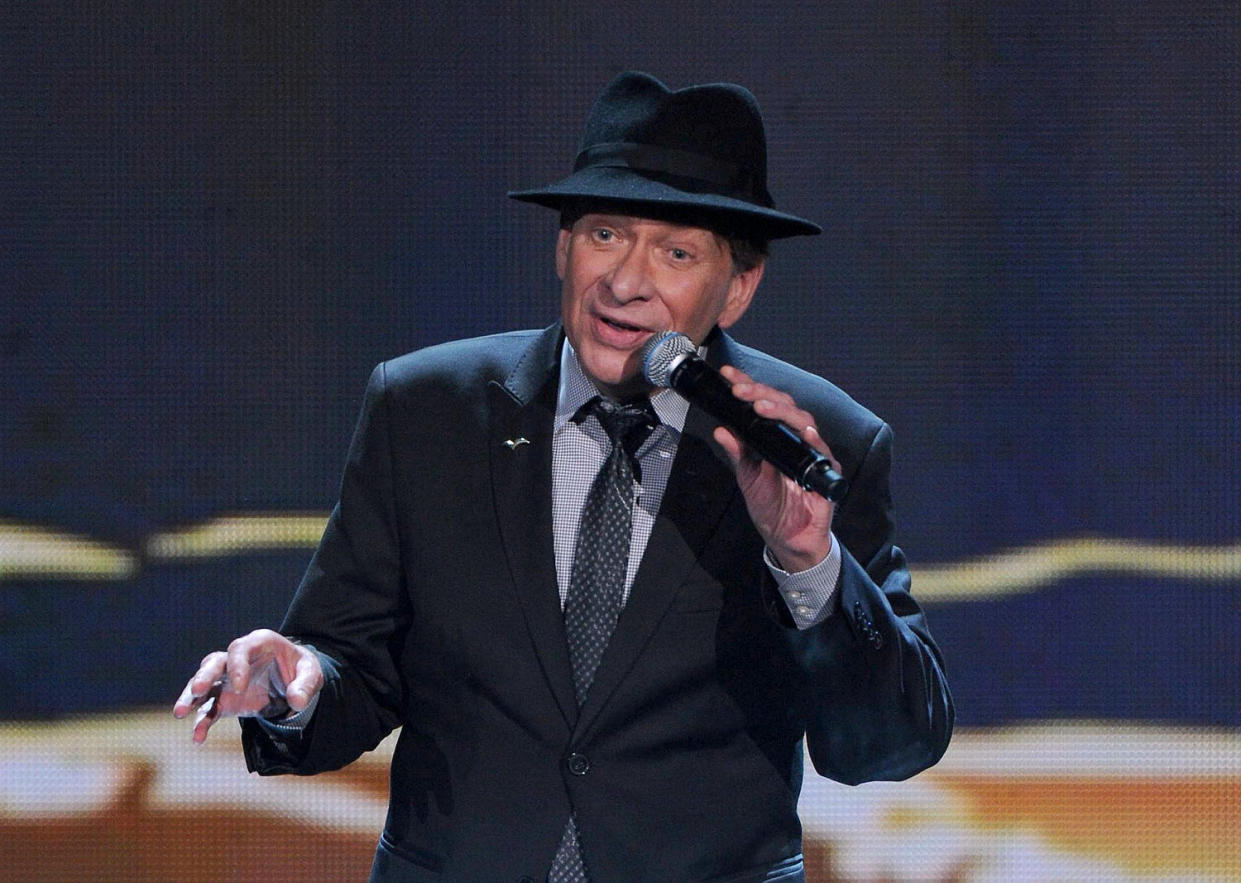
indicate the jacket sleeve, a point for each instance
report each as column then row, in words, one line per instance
column 351, row 608
column 877, row 700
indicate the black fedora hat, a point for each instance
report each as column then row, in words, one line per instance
column 700, row 150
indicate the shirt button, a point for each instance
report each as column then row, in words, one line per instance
column 796, row 596
column 579, row 764
column 803, row 609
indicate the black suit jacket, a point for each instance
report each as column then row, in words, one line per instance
column 432, row 601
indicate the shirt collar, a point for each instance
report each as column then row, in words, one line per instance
column 576, row 390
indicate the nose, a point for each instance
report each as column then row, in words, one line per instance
column 630, row 277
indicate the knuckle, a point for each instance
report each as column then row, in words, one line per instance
column 211, row 666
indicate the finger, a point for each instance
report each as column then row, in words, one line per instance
column 207, row 715
column 238, row 670
column 781, row 408
column 210, row 671
column 774, row 404
column 810, row 435
column 747, row 389
column 745, row 464
column 306, row 681
column 185, row 702
column 784, row 411
column 245, row 654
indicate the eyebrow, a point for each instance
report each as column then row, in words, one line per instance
column 628, row 220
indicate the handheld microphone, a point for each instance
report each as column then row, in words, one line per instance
column 671, row 359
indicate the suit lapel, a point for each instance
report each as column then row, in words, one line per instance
column 700, row 489
column 522, row 410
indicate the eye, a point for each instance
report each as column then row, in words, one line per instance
column 679, row 254
column 603, row 234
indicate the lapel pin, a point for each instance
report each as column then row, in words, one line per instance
column 514, row 443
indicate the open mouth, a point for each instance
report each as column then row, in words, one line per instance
column 622, row 326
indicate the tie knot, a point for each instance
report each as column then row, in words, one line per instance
column 629, row 424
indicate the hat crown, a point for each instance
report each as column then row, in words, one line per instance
column 719, row 123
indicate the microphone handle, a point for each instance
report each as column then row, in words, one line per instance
column 770, row 439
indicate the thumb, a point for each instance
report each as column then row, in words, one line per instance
column 725, row 438
column 307, row 680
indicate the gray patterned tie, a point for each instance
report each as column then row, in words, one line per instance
column 600, row 562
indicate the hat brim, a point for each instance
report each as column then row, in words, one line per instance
column 622, row 185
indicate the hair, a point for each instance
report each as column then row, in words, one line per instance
column 747, row 247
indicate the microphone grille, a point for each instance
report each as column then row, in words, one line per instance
column 660, row 355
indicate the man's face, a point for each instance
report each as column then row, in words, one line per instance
column 627, row 278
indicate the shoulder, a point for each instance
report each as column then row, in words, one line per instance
column 469, row 361
column 831, row 405
column 450, row 384
column 455, row 378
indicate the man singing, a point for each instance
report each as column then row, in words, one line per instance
column 607, row 629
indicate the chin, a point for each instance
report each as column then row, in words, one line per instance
column 618, row 384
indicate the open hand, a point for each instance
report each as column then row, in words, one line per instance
column 262, row 674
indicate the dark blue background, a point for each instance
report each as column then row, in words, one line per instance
column 215, row 218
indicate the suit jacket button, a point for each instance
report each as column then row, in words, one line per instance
column 579, row 764
column 876, row 640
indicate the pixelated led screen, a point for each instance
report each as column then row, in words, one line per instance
column 216, row 218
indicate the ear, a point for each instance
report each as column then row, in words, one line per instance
column 562, row 252
column 741, row 290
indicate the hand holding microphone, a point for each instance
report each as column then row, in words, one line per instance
column 671, row 360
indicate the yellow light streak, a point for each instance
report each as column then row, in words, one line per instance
column 1034, row 567
column 236, row 534
column 32, row 552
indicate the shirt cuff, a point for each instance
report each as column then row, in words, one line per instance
column 807, row 593
column 293, row 724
